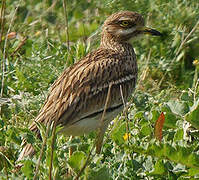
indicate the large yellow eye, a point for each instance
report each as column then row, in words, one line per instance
column 124, row 23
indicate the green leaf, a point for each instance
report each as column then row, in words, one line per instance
column 186, row 97
column 102, row 173
column 159, row 168
column 6, row 157
column 146, row 130
column 27, row 169
column 193, row 115
column 193, row 171
column 77, row 160
column 193, row 159
column 155, row 115
column 178, row 107
column 170, row 118
column 12, row 136
column 179, row 135
column 170, row 152
column 139, row 115
column 118, row 133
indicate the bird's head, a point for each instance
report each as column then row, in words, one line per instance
column 126, row 25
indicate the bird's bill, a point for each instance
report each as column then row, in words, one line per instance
column 150, row 31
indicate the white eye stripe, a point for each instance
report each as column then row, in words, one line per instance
column 124, row 19
column 125, row 31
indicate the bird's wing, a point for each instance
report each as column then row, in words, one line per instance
column 76, row 92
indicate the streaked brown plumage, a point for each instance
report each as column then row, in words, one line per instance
column 77, row 98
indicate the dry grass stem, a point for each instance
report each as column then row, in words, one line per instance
column 52, row 148
column 2, row 18
column 187, row 37
column 66, row 25
column 41, row 152
column 180, row 47
column 4, row 52
column 19, row 46
column 144, row 74
column 125, row 113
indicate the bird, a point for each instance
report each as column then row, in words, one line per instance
column 76, row 100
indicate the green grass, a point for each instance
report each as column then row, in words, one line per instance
column 168, row 82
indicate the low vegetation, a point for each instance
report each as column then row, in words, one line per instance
column 38, row 40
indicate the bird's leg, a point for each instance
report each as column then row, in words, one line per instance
column 100, row 137
column 102, row 125
column 70, row 148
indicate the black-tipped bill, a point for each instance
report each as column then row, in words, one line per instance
column 152, row 32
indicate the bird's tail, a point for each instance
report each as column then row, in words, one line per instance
column 28, row 150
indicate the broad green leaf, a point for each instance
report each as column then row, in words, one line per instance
column 193, row 171
column 154, row 149
column 146, row 130
column 155, row 114
column 193, row 116
column 179, row 135
column 170, row 118
column 177, row 154
column 159, row 168
column 139, row 115
column 183, row 153
column 193, row 159
column 186, row 97
column 118, row 133
column 178, row 107
column 77, row 160
column 27, row 169
column 102, row 173
column 170, row 152
column 12, row 136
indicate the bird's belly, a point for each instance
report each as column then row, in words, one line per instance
column 86, row 125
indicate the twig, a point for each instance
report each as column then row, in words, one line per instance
column 52, row 148
column 100, row 132
column 121, row 93
column 125, row 113
column 19, row 46
column 4, row 53
column 106, row 104
column 143, row 76
column 49, row 9
column 195, row 88
column 144, row 72
column 66, row 24
column 181, row 45
column 184, row 41
column 41, row 151
column 3, row 7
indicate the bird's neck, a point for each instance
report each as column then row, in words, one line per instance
column 116, row 44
